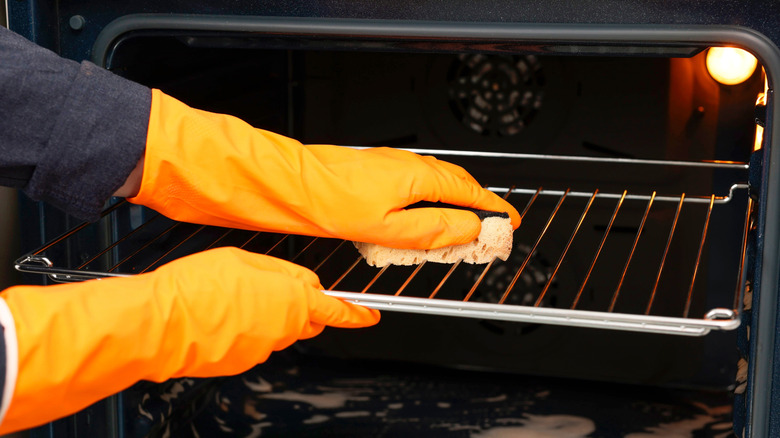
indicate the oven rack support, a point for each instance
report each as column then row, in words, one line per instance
column 715, row 319
column 721, row 317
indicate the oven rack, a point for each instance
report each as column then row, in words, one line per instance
column 154, row 240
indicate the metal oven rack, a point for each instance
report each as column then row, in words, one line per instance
column 99, row 250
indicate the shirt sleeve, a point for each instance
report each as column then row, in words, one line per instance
column 70, row 133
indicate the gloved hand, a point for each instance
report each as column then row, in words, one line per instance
column 215, row 169
column 215, row 313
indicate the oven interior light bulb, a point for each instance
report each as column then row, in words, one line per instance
column 729, row 65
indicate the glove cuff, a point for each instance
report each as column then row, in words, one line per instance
column 146, row 194
column 11, row 357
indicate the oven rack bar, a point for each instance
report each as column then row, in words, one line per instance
column 722, row 199
column 711, row 164
column 717, row 318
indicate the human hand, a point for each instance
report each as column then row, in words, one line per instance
column 214, row 313
column 217, row 170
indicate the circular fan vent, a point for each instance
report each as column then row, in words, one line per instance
column 524, row 293
column 528, row 286
column 496, row 96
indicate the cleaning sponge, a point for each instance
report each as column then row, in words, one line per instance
column 494, row 240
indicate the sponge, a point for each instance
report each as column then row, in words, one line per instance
column 494, row 240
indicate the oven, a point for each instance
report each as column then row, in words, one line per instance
column 643, row 279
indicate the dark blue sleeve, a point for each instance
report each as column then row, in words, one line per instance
column 70, row 133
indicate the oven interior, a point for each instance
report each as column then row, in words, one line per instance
column 594, row 150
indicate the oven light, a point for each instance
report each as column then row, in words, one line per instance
column 729, row 65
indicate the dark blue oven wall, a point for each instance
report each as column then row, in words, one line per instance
column 72, row 29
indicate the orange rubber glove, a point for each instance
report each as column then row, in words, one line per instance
column 215, row 169
column 215, row 313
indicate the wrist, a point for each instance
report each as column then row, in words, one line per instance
column 132, row 184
